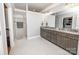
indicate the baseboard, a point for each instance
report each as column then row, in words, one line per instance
column 29, row 38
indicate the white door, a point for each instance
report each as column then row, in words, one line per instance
column 19, row 29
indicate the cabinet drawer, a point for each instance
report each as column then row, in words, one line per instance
column 72, row 36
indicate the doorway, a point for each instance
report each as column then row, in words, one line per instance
column 19, row 25
column 7, row 28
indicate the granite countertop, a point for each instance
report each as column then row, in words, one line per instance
column 60, row 30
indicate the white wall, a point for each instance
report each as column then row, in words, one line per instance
column 1, row 44
column 33, row 24
column 19, row 32
column 3, row 41
column 10, row 19
column 6, row 10
column 56, row 21
column 51, row 20
column 77, row 22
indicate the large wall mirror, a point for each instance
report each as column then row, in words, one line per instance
column 67, row 22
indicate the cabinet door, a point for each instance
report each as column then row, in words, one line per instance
column 63, row 42
column 74, row 46
column 51, row 36
column 41, row 32
column 54, row 37
column 67, row 43
column 47, row 35
column 59, row 39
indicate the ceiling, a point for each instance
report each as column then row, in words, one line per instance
column 37, row 7
column 20, row 6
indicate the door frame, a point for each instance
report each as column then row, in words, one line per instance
column 3, row 31
column 10, row 21
column 3, row 27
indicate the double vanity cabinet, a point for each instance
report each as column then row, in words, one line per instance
column 66, row 40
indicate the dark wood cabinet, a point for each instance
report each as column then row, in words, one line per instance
column 48, row 35
column 73, row 46
column 45, row 34
column 59, row 39
column 67, row 41
column 53, row 37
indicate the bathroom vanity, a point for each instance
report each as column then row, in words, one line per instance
column 68, row 40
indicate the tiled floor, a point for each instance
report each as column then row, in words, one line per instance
column 36, row 46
